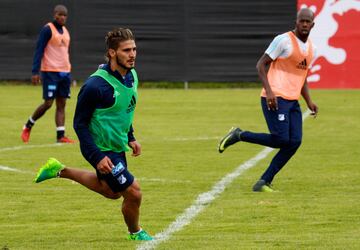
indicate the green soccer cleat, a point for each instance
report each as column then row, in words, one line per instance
column 50, row 170
column 262, row 186
column 142, row 235
column 232, row 137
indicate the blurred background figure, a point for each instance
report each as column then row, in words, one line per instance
column 51, row 64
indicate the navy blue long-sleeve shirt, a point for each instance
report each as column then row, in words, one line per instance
column 96, row 93
column 44, row 38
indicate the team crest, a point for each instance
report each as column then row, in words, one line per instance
column 281, row 117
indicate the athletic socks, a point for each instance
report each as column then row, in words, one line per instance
column 30, row 123
column 60, row 132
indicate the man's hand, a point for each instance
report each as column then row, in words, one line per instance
column 271, row 101
column 313, row 108
column 35, row 79
column 105, row 165
column 136, row 148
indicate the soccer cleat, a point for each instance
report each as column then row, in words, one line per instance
column 25, row 135
column 65, row 139
column 50, row 170
column 262, row 186
column 232, row 137
column 142, row 235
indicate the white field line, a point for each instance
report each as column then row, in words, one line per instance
column 10, row 169
column 31, row 146
column 202, row 138
column 163, row 180
column 6, row 168
column 198, row 138
column 205, row 199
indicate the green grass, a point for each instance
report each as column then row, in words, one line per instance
column 317, row 206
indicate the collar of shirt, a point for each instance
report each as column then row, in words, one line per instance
column 127, row 80
column 57, row 25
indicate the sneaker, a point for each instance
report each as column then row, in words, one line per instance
column 25, row 135
column 142, row 235
column 232, row 137
column 65, row 139
column 262, row 186
column 50, row 170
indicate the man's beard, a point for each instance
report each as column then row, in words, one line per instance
column 122, row 65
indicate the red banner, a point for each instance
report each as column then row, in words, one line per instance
column 336, row 35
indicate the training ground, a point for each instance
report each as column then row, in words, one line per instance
column 193, row 197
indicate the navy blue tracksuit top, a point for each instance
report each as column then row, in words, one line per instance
column 96, row 93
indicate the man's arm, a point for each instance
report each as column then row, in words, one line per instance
column 306, row 95
column 85, row 107
column 130, row 134
column 262, row 67
column 135, row 146
column 44, row 37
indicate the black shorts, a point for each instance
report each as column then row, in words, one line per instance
column 55, row 84
column 120, row 178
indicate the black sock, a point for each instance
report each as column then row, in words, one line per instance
column 60, row 133
column 30, row 123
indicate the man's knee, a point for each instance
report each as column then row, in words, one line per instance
column 60, row 103
column 107, row 192
column 295, row 144
column 281, row 141
column 111, row 195
column 288, row 143
column 47, row 104
column 133, row 193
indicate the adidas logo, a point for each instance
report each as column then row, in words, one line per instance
column 132, row 104
column 302, row 65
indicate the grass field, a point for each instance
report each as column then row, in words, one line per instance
column 317, row 206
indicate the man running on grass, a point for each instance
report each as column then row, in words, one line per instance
column 103, row 122
column 289, row 56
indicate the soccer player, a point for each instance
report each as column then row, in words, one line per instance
column 51, row 62
column 103, row 122
column 288, row 57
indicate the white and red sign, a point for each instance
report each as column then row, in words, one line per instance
column 336, row 35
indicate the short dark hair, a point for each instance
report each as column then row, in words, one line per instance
column 115, row 37
column 60, row 8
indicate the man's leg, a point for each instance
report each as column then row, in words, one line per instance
column 60, row 117
column 274, row 139
column 131, row 206
column 62, row 93
column 132, row 195
column 60, row 111
column 90, row 180
column 278, row 125
column 39, row 112
column 60, row 121
column 288, row 150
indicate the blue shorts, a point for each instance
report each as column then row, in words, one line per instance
column 120, row 178
column 286, row 122
column 55, row 84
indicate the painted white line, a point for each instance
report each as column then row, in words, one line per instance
column 31, row 146
column 203, row 138
column 205, row 199
column 198, row 138
column 163, row 180
column 6, row 168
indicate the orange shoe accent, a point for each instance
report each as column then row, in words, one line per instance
column 25, row 135
column 64, row 139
